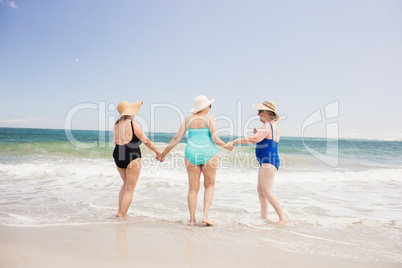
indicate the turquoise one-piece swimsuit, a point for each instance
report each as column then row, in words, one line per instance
column 200, row 147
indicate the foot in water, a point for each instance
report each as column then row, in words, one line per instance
column 283, row 222
column 268, row 221
column 207, row 222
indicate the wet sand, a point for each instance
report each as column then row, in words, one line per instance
column 146, row 244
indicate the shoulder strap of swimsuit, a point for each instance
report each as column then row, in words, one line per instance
column 272, row 130
column 132, row 127
column 206, row 120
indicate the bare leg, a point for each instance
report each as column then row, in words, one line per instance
column 194, row 173
column 122, row 172
column 132, row 173
column 263, row 200
column 209, row 172
column 267, row 173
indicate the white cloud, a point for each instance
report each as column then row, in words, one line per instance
column 13, row 5
column 373, row 136
column 77, row 60
column 23, row 120
column 9, row 3
column 12, row 120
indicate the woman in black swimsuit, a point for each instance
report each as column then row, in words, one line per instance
column 128, row 135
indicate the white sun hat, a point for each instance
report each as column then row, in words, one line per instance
column 201, row 102
column 267, row 106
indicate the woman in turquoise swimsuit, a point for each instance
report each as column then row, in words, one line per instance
column 201, row 154
column 266, row 151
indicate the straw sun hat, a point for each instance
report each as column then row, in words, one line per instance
column 201, row 102
column 267, row 106
column 126, row 108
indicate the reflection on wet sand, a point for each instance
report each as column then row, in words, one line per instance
column 122, row 243
column 197, row 237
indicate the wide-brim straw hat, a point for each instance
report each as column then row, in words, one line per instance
column 201, row 102
column 267, row 106
column 126, row 108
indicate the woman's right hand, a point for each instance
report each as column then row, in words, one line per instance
column 160, row 157
column 229, row 146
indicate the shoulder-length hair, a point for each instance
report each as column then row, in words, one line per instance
column 122, row 118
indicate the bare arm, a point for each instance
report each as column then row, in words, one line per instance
column 176, row 139
column 214, row 135
column 257, row 137
column 114, row 134
column 141, row 135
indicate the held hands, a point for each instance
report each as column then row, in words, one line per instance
column 160, row 157
column 229, row 146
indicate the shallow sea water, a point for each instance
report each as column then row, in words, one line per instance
column 352, row 210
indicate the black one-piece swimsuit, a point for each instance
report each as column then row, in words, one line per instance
column 124, row 154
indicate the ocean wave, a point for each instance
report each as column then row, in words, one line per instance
column 351, row 154
column 299, row 168
column 56, row 148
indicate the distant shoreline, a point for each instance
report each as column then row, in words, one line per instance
column 173, row 133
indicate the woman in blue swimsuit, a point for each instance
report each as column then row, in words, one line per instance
column 266, row 151
column 128, row 135
column 201, row 154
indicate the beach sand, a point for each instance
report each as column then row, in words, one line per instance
column 154, row 244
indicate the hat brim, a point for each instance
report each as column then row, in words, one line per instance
column 193, row 110
column 132, row 109
column 265, row 108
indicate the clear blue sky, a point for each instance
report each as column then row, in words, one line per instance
column 303, row 55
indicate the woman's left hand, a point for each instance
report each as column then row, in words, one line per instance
column 160, row 157
column 229, row 146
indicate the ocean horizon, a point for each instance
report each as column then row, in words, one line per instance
column 233, row 135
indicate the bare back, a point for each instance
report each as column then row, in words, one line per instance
column 197, row 121
column 275, row 131
column 122, row 133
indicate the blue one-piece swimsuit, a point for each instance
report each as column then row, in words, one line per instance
column 266, row 151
